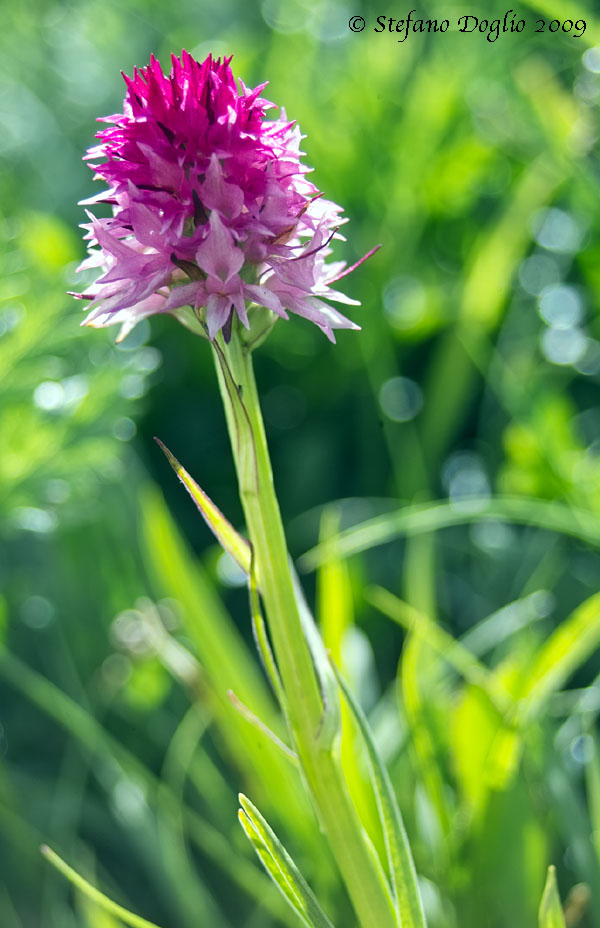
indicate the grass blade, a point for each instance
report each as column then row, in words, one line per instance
column 227, row 661
column 128, row 918
column 434, row 635
column 331, row 719
column 567, row 648
column 409, row 907
column 261, row 639
column 551, row 913
column 280, row 866
column 431, row 517
column 336, row 619
column 573, row 820
column 119, row 761
column 222, row 529
column 254, row 720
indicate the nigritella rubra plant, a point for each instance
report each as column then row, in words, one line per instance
column 215, row 222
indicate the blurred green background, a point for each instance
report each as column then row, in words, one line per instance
column 474, row 382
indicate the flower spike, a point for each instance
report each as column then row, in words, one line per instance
column 204, row 188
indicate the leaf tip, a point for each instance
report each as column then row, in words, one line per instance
column 162, row 446
column 233, row 699
column 179, row 470
column 246, row 805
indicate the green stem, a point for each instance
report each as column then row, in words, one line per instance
column 357, row 861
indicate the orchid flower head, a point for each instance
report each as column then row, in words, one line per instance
column 211, row 207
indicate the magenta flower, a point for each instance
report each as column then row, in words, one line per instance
column 211, row 208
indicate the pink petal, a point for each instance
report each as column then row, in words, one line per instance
column 264, row 297
column 192, row 294
column 217, row 312
column 218, row 255
column 219, row 194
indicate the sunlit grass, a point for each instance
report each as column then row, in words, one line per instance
column 458, row 431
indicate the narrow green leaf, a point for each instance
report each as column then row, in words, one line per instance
column 279, row 878
column 498, row 709
column 501, row 245
column 331, row 719
column 335, row 611
column 95, row 917
column 592, row 780
column 116, row 758
column 232, row 542
column 430, row 517
column 565, row 650
column 334, row 595
column 409, row 907
column 452, row 650
column 261, row 637
column 417, row 683
column 280, row 866
column 128, row 918
column 227, row 661
column 551, row 914
column 572, row 818
column 254, row 720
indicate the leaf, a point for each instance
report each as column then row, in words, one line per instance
column 280, row 866
column 501, row 756
column 592, row 777
column 551, row 913
column 95, row 917
column 451, row 650
column 232, row 542
column 331, row 719
column 335, row 609
column 430, row 517
column 261, row 638
column 502, row 245
column 566, row 649
column 417, row 681
column 473, row 729
column 227, row 661
column 572, row 817
column 335, row 613
column 409, row 907
column 254, row 720
column 129, row 918
column 118, row 761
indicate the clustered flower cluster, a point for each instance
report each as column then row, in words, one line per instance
column 211, row 207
